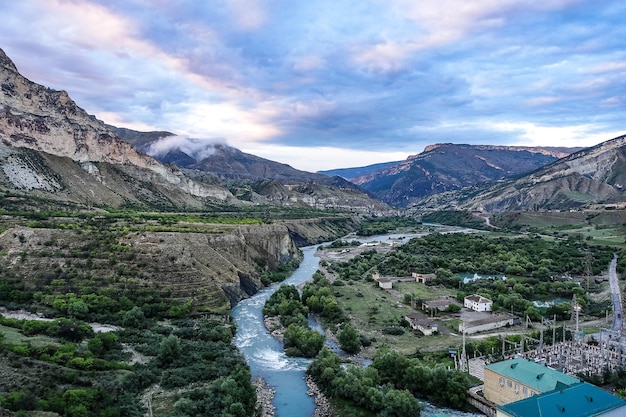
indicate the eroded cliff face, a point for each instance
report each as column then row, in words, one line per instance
column 213, row 270
column 35, row 117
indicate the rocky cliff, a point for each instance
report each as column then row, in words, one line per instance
column 50, row 123
column 553, row 151
column 213, row 266
column 252, row 178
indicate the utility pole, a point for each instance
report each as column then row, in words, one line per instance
column 540, row 350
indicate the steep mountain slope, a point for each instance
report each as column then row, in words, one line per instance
column 51, row 147
column 253, row 178
column 445, row 167
column 596, row 175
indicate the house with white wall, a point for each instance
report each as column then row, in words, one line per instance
column 477, row 303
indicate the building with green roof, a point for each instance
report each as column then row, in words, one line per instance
column 580, row 400
column 515, row 379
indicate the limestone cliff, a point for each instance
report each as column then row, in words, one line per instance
column 48, row 121
column 446, row 167
column 554, row 151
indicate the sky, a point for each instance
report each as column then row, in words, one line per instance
column 323, row 84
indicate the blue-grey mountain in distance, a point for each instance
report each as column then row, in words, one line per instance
column 349, row 173
column 437, row 169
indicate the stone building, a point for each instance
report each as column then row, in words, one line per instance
column 385, row 283
column 423, row 278
column 419, row 322
column 492, row 322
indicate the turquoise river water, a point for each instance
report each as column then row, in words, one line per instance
column 265, row 355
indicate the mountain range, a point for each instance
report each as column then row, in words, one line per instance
column 591, row 178
column 445, row 167
column 51, row 148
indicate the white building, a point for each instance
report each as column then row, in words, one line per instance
column 385, row 283
column 477, row 303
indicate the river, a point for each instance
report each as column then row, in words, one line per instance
column 265, row 354
column 266, row 357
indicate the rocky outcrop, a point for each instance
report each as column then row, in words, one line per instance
column 213, row 267
column 49, row 121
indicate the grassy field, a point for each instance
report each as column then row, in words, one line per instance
column 372, row 309
column 14, row 337
column 421, row 291
column 600, row 227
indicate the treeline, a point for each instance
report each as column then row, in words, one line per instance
column 536, row 269
column 382, row 225
column 390, row 385
column 80, row 297
column 530, row 256
column 455, row 218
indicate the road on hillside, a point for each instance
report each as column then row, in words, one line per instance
column 615, row 296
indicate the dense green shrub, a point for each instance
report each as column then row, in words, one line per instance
column 301, row 341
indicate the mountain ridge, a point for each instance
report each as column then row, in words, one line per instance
column 437, row 170
column 255, row 179
column 591, row 177
column 554, row 151
column 50, row 122
column 104, row 169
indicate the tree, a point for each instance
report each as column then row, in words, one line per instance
column 349, row 339
column 77, row 309
column 169, row 350
column 300, row 341
column 96, row 346
column 133, row 318
column 390, row 364
column 398, row 403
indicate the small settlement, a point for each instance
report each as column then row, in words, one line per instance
column 518, row 387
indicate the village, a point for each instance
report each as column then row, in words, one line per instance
column 534, row 375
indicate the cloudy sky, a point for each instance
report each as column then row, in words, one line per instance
column 334, row 83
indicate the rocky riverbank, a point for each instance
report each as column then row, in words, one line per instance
column 265, row 393
column 264, row 397
column 322, row 405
